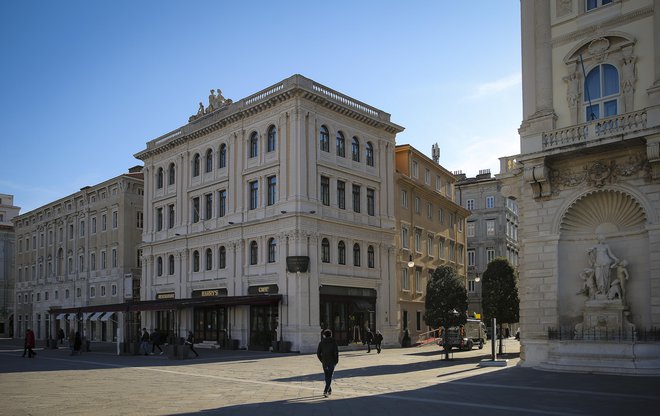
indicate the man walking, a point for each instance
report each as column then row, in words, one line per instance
column 378, row 339
column 155, row 342
column 29, row 344
column 328, row 353
column 369, row 338
column 144, row 344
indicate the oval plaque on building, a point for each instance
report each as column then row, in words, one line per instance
column 297, row 264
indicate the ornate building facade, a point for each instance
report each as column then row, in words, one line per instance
column 7, row 247
column 587, row 183
column 75, row 254
column 272, row 217
column 431, row 232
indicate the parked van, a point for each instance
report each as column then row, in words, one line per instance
column 464, row 337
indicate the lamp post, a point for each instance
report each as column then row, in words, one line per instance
column 411, row 262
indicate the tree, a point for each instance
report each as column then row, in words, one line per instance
column 446, row 299
column 499, row 294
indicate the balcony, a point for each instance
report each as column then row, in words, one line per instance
column 595, row 130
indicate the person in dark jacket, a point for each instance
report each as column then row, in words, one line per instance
column 77, row 343
column 155, row 342
column 378, row 339
column 29, row 344
column 368, row 338
column 328, row 353
column 190, row 341
column 144, row 342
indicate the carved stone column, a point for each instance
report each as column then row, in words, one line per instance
column 653, row 154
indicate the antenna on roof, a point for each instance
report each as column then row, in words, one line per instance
column 435, row 152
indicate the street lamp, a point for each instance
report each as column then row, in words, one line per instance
column 411, row 263
column 478, row 278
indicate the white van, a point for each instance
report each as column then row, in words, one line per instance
column 464, row 337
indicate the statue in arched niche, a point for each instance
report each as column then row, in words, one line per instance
column 603, row 261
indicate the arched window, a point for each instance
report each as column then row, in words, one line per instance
column 222, row 158
column 222, row 258
column 209, row 259
column 159, row 178
column 356, row 255
column 272, row 139
column 272, row 246
column 341, row 253
column 355, row 149
column 325, row 251
column 254, row 251
column 324, row 139
column 601, row 93
column 341, row 145
column 195, row 261
column 370, row 154
column 170, row 263
column 171, row 174
column 209, row 160
column 159, row 266
column 371, row 258
column 195, row 166
column 254, row 145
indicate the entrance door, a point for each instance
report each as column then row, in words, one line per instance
column 210, row 323
column 263, row 326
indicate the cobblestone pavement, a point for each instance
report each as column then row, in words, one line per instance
column 396, row 382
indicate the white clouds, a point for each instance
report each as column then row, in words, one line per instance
column 495, row 87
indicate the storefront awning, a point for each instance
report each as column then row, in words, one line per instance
column 72, row 316
column 60, row 317
column 95, row 316
column 86, row 315
column 107, row 316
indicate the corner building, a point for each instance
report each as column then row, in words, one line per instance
column 272, row 217
column 587, row 183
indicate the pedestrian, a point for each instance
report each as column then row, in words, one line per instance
column 155, row 342
column 378, row 339
column 77, row 343
column 60, row 335
column 369, row 338
column 29, row 343
column 328, row 353
column 144, row 342
column 72, row 340
column 190, row 341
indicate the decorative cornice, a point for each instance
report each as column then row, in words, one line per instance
column 595, row 29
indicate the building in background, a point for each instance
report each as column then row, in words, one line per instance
column 430, row 232
column 272, row 217
column 75, row 253
column 492, row 229
column 7, row 246
column 587, row 182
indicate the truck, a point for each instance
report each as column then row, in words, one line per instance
column 463, row 337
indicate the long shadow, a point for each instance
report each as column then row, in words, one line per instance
column 513, row 391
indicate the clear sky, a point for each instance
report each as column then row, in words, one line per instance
column 85, row 84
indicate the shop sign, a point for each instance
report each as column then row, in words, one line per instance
column 165, row 295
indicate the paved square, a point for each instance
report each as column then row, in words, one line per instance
column 395, row 382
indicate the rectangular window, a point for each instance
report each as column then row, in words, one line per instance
column 471, row 286
column 208, row 206
column 429, row 245
column 418, row 280
column 404, row 237
column 371, row 203
column 469, row 204
column 427, row 177
column 441, row 216
column 159, row 219
column 222, row 203
column 254, row 194
column 429, row 211
column 356, row 198
column 490, row 228
column 418, row 240
column 272, row 190
column 92, row 261
column 471, row 227
column 417, row 205
column 82, row 228
column 490, row 254
column 325, row 190
column 104, row 222
column 114, row 257
column 415, row 169
column 472, row 256
column 405, row 279
column 115, row 219
column 404, row 198
column 490, row 202
column 195, row 209
column 139, row 223
column 103, row 261
column 341, row 194
column 170, row 216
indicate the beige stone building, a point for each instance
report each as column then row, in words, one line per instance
column 73, row 257
column 431, row 232
column 272, row 217
column 7, row 247
column 587, row 183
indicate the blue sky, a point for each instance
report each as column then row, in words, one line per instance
column 85, row 84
